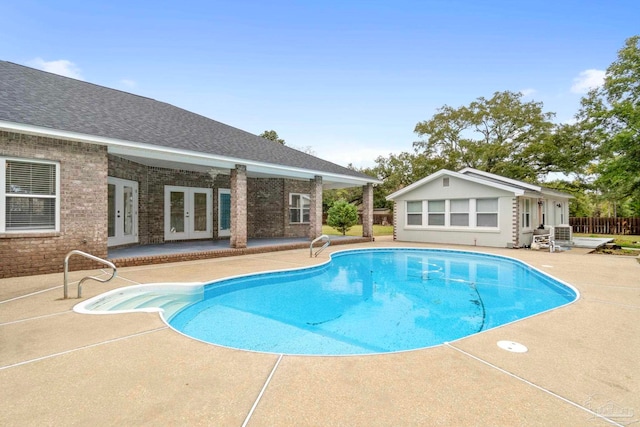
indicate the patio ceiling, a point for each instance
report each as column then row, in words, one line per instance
column 205, row 163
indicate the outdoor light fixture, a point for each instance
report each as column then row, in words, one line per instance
column 213, row 172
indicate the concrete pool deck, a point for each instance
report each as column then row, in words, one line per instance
column 58, row 367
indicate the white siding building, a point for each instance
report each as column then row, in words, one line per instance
column 471, row 207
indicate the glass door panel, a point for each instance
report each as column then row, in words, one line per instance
column 187, row 213
column 127, row 210
column 224, row 212
column 200, row 211
column 177, row 212
column 122, row 214
column 111, row 216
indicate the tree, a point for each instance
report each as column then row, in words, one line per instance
column 272, row 135
column 501, row 135
column 612, row 114
column 342, row 216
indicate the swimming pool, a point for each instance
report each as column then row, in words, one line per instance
column 370, row 301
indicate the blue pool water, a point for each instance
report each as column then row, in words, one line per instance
column 370, row 301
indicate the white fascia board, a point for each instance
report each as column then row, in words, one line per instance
column 532, row 187
column 123, row 147
column 550, row 193
column 441, row 172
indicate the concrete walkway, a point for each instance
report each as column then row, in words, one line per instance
column 58, row 367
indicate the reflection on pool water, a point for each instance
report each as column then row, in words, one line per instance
column 369, row 301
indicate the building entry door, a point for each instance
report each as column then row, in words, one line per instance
column 224, row 212
column 188, row 213
column 122, row 226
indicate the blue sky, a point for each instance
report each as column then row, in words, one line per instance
column 347, row 79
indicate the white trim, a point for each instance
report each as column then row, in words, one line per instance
column 506, row 180
column 119, row 238
column 441, row 172
column 188, row 215
column 473, row 212
column 3, row 195
column 300, row 209
column 157, row 152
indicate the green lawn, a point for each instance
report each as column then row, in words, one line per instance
column 622, row 240
column 356, row 230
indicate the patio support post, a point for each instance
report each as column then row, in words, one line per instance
column 367, row 211
column 239, row 207
column 315, row 210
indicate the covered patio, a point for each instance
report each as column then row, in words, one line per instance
column 205, row 249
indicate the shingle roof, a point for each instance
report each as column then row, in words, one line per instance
column 38, row 98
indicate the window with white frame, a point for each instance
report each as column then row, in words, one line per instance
column 486, row 212
column 459, row 213
column 453, row 213
column 414, row 213
column 29, row 191
column 299, row 208
column 526, row 213
column 436, row 212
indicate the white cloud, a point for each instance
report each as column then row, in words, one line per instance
column 61, row 67
column 527, row 92
column 587, row 80
column 128, row 83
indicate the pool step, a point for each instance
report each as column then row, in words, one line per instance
column 169, row 299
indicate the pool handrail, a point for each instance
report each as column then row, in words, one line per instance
column 317, row 239
column 92, row 257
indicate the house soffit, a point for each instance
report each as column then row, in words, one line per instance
column 158, row 156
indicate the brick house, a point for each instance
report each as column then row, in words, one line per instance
column 87, row 167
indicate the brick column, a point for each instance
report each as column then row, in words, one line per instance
column 239, row 207
column 315, row 210
column 367, row 211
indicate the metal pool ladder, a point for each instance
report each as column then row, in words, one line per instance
column 322, row 248
column 92, row 257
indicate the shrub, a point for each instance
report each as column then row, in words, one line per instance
column 342, row 215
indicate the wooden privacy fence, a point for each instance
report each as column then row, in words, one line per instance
column 605, row 225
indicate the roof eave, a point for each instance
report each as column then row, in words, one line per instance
column 155, row 152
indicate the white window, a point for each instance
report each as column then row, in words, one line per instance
column 459, row 213
column 30, row 192
column 436, row 212
column 299, row 208
column 487, row 212
column 526, row 213
column 414, row 213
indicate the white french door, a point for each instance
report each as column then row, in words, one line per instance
column 122, row 226
column 224, row 212
column 187, row 213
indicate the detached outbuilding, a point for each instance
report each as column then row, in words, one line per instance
column 472, row 207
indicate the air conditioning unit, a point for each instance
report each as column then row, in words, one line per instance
column 562, row 233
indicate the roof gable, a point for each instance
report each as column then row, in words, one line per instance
column 465, row 177
column 518, row 188
column 500, row 179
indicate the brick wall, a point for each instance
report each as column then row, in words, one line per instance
column 267, row 199
column 293, row 186
column 265, row 207
column 84, row 169
column 83, row 207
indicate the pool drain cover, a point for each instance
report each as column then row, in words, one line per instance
column 513, row 347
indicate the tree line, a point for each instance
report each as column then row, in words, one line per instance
column 596, row 158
